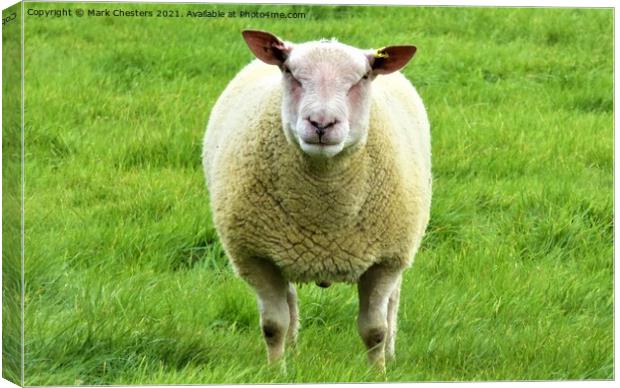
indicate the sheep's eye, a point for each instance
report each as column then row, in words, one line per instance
column 289, row 73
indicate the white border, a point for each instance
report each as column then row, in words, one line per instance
column 480, row 3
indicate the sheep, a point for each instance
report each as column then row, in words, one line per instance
column 317, row 162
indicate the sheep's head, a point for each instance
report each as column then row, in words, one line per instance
column 326, row 88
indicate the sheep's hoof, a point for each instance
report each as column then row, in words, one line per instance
column 323, row 283
column 377, row 361
column 278, row 365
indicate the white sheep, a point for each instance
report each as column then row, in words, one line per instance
column 317, row 159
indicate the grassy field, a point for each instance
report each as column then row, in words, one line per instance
column 127, row 283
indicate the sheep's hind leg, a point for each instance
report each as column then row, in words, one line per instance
column 272, row 292
column 375, row 288
column 392, row 319
column 293, row 328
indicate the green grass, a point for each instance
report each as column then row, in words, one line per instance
column 127, row 283
column 11, row 197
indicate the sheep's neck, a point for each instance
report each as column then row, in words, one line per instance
column 347, row 163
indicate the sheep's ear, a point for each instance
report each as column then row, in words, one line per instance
column 390, row 59
column 267, row 47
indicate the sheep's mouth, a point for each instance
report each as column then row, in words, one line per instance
column 322, row 142
column 321, row 148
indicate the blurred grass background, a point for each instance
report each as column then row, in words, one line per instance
column 126, row 282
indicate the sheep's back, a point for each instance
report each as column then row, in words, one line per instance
column 396, row 99
column 242, row 101
column 399, row 128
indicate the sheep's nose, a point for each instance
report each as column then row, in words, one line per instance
column 321, row 125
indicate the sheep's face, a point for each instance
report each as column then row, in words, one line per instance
column 326, row 97
column 326, row 89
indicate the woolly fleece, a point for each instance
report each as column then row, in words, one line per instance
column 318, row 221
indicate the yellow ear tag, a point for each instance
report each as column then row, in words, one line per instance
column 381, row 54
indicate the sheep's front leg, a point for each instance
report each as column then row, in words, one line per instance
column 274, row 298
column 375, row 288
